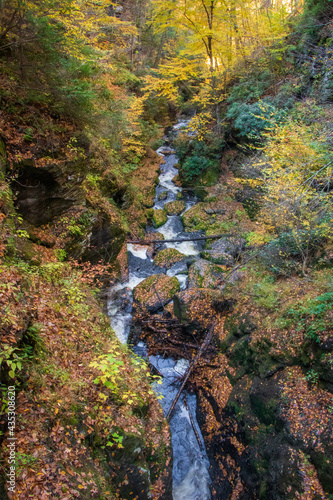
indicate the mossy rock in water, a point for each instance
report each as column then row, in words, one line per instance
column 176, row 180
column 175, row 207
column 159, row 218
column 145, row 293
column 196, row 219
column 180, row 195
column 168, row 257
column 163, row 196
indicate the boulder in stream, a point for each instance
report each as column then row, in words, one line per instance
column 175, row 207
column 159, row 218
column 168, row 257
column 163, row 195
column 156, row 291
column 224, row 251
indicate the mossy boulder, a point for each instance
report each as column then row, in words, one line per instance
column 195, row 308
column 163, row 195
column 156, row 291
column 159, row 218
column 217, row 215
column 176, row 180
column 175, row 207
column 168, row 257
column 204, row 274
column 196, row 219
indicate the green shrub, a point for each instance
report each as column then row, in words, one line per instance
column 194, row 166
column 250, row 88
column 251, row 120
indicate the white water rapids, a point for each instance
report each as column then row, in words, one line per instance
column 190, row 462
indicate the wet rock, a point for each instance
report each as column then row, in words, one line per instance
column 145, row 293
column 175, row 207
column 159, row 218
column 168, row 257
column 203, row 274
column 224, row 251
column 176, row 180
column 163, row 195
column 124, row 299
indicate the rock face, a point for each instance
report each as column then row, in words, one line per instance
column 54, row 204
column 175, row 207
column 204, row 274
column 159, row 218
column 224, row 251
column 145, row 293
column 42, row 194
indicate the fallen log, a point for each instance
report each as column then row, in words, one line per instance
column 172, row 322
column 200, row 443
column 203, row 346
column 178, row 240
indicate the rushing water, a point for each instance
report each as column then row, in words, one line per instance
column 190, row 463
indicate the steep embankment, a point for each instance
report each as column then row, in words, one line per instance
column 87, row 422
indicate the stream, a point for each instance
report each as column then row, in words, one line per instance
column 190, row 462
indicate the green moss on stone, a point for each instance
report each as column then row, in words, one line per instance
column 168, row 257
column 159, row 218
column 165, row 286
column 163, row 196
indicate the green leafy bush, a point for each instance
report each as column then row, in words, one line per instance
column 194, row 166
column 251, row 120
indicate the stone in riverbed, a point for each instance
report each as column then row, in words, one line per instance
column 204, row 274
column 168, row 257
column 146, row 296
column 224, row 251
column 175, row 207
column 159, row 218
column 163, row 195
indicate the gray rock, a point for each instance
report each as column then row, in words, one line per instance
column 224, row 251
column 204, row 274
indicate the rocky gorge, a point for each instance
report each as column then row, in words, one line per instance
column 250, row 398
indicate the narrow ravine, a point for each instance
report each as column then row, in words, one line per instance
column 190, row 462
